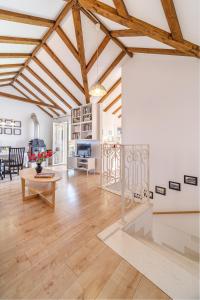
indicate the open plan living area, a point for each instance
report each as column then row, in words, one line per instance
column 99, row 149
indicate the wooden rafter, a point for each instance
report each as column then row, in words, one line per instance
column 67, row 42
column 41, row 92
column 116, row 110
column 172, row 19
column 5, row 66
column 19, row 40
column 26, row 19
column 126, row 33
column 113, row 87
column 121, row 8
column 23, row 94
column 81, row 49
column 8, row 73
column 54, row 78
column 6, row 79
column 18, row 98
column 158, row 51
column 4, row 84
column 112, row 66
column 34, row 95
column 14, row 55
column 95, row 20
column 112, row 103
column 47, row 35
column 100, row 49
column 43, row 82
column 63, row 67
column 134, row 23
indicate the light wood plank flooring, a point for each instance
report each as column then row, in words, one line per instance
column 55, row 254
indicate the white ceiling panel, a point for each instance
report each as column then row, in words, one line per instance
column 12, row 48
column 12, row 61
column 68, row 26
column 110, row 24
column 64, row 54
column 6, row 76
column 2, row 70
column 145, row 42
column 55, row 69
column 21, row 30
column 92, row 37
column 150, row 11
column 45, row 9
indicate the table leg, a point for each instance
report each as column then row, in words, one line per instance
column 23, row 184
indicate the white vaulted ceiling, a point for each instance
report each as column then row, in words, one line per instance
column 45, row 76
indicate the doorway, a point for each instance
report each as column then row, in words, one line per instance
column 60, row 137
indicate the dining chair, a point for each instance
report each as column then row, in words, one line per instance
column 2, row 169
column 15, row 161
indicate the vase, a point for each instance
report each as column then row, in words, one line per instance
column 38, row 168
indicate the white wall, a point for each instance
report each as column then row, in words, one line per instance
column 161, row 108
column 21, row 111
column 110, row 123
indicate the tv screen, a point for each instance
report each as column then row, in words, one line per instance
column 84, row 150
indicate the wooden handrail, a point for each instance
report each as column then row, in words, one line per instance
column 176, row 212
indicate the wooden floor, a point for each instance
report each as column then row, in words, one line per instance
column 55, row 254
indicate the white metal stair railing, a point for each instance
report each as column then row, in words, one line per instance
column 125, row 171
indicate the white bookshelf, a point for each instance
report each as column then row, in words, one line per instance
column 85, row 122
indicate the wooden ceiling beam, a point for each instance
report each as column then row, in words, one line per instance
column 95, row 20
column 98, row 52
column 137, row 24
column 8, row 73
column 61, row 16
column 112, row 66
column 54, row 78
column 15, row 55
column 126, row 33
column 5, row 66
column 6, row 79
column 172, row 19
column 23, row 94
column 113, row 87
column 121, row 8
column 158, row 51
column 18, row 98
column 43, row 82
column 33, row 85
column 67, row 42
column 63, row 67
column 4, row 84
column 19, row 40
column 116, row 110
column 34, row 95
column 26, row 19
column 81, row 49
column 112, row 103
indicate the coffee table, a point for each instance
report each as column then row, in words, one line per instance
column 43, row 188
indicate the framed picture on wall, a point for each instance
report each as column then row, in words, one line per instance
column 8, row 122
column 8, row 131
column 174, row 186
column 17, row 124
column 1, row 130
column 17, row 131
column 190, row 180
column 160, row 190
column 150, row 195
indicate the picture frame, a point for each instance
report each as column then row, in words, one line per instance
column 150, row 195
column 8, row 122
column 160, row 190
column 174, row 186
column 1, row 130
column 8, row 131
column 17, row 124
column 17, row 131
column 192, row 180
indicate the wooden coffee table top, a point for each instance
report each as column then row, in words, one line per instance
column 28, row 174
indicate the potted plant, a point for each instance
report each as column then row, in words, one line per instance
column 39, row 158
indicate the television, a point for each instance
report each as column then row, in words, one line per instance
column 84, row 150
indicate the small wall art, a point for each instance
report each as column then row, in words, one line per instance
column 174, row 186
column 190, row 180
column 160, row 190
column 17, row 131
column 8, row 131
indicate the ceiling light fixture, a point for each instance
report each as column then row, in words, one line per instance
column 97, row 89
